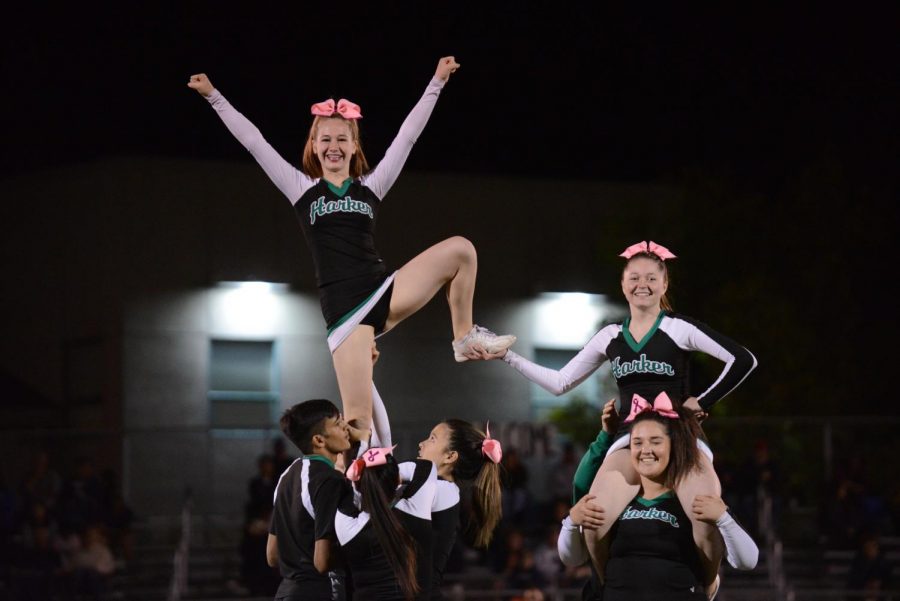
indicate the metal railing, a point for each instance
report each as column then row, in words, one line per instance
column 181, row 560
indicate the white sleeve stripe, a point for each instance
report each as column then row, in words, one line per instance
column 304, row 489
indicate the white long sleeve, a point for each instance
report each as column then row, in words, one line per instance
column 582, row 365
column 741, row 551
column 380, row 179
column 288, row 179
column 570, row 545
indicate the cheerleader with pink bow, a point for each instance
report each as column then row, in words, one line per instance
column 653, row 555
column 397, row 531
column 336, row 198
column 649, row 353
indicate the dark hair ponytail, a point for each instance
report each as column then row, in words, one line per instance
column 377, row 486
column 480, row 475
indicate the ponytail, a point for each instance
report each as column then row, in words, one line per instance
column 377, row 486
column 480, row 474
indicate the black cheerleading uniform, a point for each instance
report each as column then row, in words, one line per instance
column 652, row 555
column 444, row 528
column 306, row 500
column 373, row 577
column 338, row 223
column 657, row 363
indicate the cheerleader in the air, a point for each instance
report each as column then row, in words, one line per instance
column 336, row 198
column 649, row 353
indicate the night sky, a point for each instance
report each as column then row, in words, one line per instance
column 558, row 91
column 795, row 109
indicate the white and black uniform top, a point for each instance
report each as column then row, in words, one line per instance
column 306, row 499
column 660, row 362
column 373, row 578
column 338, row 223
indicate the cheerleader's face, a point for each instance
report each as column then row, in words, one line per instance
column 334, row 145
column 435, row 447
column 644, row 283
column 650, row 449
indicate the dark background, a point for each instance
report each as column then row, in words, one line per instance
column 780, row 125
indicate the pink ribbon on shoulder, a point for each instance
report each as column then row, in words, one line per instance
column 370, row 458
column 648, row 247
column 344, row 108
column 662, row 404
column 490, row 447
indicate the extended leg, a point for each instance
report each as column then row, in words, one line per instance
column 353, row 367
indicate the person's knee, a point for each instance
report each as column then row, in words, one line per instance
column 463, row 248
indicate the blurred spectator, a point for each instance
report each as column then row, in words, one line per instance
column 37, row 519
column 759, row 475
column 258, row 578
column 532, row 593
column 870, row 570
column 564, row 471
column 546, row 557
column 280, row 456
column 81, row 499
column 261, row 488
column 92, row 565
column 35, row 570
column 843, row 515
column 117, row 516
column 42, row 483
column 514, row 480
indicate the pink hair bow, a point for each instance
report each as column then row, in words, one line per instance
column 490, row 447
column 648, row 247
column 370, row 458
column 344, row 108
column 662, row 404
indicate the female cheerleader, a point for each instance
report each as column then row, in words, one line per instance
column 652, row 552
column 336, row 198
column 466, row 459
column 386, row 540
column 649, row 353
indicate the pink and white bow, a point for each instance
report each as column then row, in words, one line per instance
column 343, row 108
column 648, row 247
column 490, row 447
column 371, row 458
column 662, row 404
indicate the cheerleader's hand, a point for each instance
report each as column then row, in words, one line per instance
column 446, row 66
column 201, row 83
column 708, row 508
column 587, row 514
column 693, row 404
column 610, row 417
column 477, row 353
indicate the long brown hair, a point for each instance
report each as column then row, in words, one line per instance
column 480, row 475
column 311, row 165
column 683, row 432
column 377, row 486
column 664, row 302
